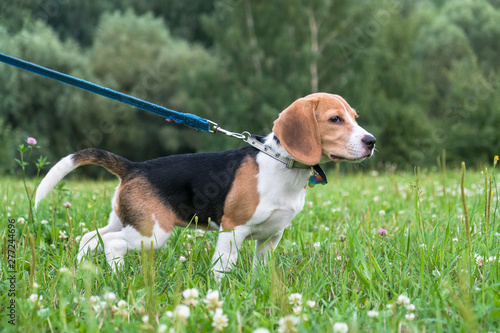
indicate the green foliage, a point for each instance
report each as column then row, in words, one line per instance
column 423, row 74
column 331, row 254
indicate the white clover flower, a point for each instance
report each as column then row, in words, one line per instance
column 311, row 304
column 317, row 245
column 297, row 309
column 182, row 259
column 220, row 320
column 212, row 300
column 162, row 328
column 145, row 319
column 381, row 212
column 110, row 297
column 181, row 313
column 409, row 316
column 121, row 303
column 261, row 330
column 34, row 298
column 403, row 300
column 340, row 328
column 21, row 220
column 372, row 313
column 410, row 307
column 288, row 324
column 44, row 222
column 63, row 235
column 190, row 296
column 389, row 306
column 35, row 285
column 479, row 260
column 94, row 299
column 295, row 299
column 423, row 246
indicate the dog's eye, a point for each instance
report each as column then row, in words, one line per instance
column 336, row 119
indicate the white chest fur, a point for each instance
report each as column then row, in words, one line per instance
column 282, row 196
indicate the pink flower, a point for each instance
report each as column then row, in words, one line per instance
column 67, row 204
column 382, row 232
column 31, row 141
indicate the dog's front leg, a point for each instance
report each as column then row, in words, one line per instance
column 226, row 250
column 264, row 247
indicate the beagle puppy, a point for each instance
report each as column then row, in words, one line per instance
column 243, row 193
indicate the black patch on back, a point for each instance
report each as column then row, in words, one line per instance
column 195, row 184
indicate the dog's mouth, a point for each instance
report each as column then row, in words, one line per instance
column 337, row 158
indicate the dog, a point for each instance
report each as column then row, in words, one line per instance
column 243, row 193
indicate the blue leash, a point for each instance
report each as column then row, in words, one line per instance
column 171, row 115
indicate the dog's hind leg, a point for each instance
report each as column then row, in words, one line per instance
column 116, row 244
column 90, row 241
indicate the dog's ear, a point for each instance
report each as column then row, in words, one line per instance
column 298, row 131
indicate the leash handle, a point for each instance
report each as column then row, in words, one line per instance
column 171, row 115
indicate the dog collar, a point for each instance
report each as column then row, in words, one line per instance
column 289, row 162
column 318, row 176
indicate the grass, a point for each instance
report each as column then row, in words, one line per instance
column 331, row 254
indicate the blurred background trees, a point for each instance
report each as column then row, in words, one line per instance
column 423, row 75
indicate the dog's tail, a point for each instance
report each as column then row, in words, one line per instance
column 114, row 163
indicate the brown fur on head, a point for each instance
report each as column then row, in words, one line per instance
column 319, row 125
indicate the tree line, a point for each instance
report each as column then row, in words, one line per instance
column 423, row 75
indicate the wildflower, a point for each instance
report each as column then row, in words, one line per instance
column 63, row 270
column 21, row 220
column 403, row 300
column 410, row 307
column 110, row 297
column 35, row 285
column 31, row 141
column 409, row 316
column 94, row 299
column 219, row 320
column 382, row 232
column 455, row 240
column 35, row 297
column 311, row 304
column 44, row 222
column 381, row 212
column 423, row 246
column 62, row 234
column 372, row 313
column 389, row 306
column 297, row 309
column 317, row 245
column 340, row 328
column 261, row 330
column 288, row 324
column 162, row 328
column 67, row 204
column 339, row 258
column 181, row 313
column 295, row 299
column 190, row 296
column 121, row 303
column 212, row 300
column 182, row 259
column 145, row 319
column 479, row 260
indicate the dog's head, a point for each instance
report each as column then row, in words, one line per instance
column 320, row 125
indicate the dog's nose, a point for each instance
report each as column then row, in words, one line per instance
column 369, row 141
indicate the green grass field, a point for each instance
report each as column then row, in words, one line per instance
column 331, row 267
